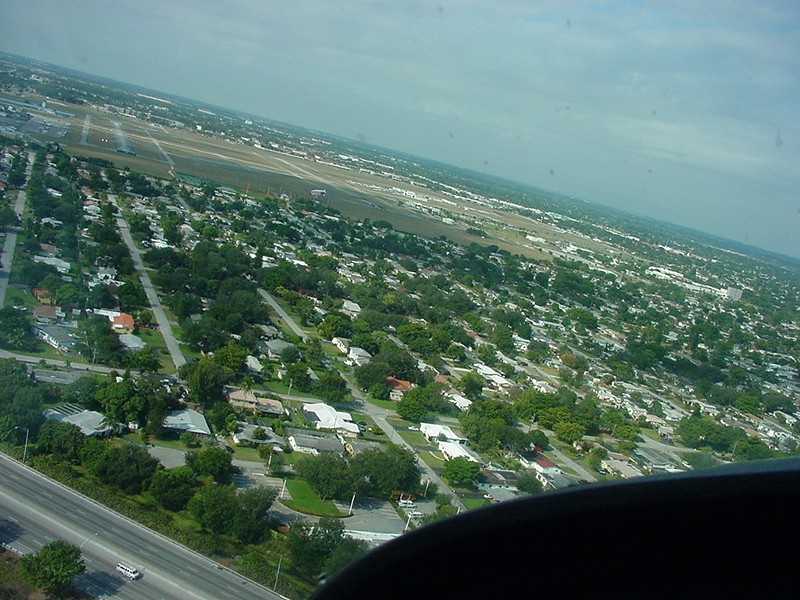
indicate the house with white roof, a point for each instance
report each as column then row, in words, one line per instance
column 324, row 416
column 451, row 450
column 358, row 357
column 432, row 432
column 187, row 420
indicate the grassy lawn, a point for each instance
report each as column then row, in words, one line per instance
column 472, row 503
column 431, row 460
column 19, row 297
column 387, row 404
column 279, row 387
column 415, row 438
column 154, row 339
column 304, row 500
column 250, row 454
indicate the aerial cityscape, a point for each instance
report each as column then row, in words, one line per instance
column 237, row 354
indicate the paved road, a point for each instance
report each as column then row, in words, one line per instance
column 54, row 362
column 155, row 304
column 37, row 510
column 283, row 315
column 11, row 239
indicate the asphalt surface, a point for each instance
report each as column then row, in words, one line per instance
column 155, row 304
column 11, row 239
column 283, row 315
column 35, row 510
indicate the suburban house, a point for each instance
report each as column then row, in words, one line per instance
column 253, row 364
column 90, row 422
column 247, row 399
column 187, row 420
column 556, row 481
column 461, row 402
column 132, row 342
column 343, row 344
column 276, row 347
column 323, row 416
column 433, row 432
column 47, row 314
column 42, row 295
column 358, row 357
column 60, row 338
column 451, row 450
column 312, row 442
column 351, row 309
column 398, row 387
column 244, row 433
column 122, row 323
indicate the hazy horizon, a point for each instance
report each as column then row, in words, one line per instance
column 682, row 112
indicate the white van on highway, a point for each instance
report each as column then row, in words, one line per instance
column 129, row 572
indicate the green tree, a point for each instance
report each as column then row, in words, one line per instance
column 173, row 488
column 413, row 406
column 528, row 483
column 249, row 524
column 331, row 386
column 53, row 567
column 471, row 385
column 63, row 440
column 311, row 545
column 329, row 474
column 128, row 467
column 211, row 462
column 214, row 506
column 461, row 471
column 205, row 380
column 569, row 432
column 385, row 472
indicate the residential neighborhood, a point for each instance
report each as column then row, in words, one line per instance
column 342, row 366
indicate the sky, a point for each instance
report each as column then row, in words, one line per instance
column 685, row 111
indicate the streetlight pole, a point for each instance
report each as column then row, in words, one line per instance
column 277, row 573
column 351, row 503
column 25, row 451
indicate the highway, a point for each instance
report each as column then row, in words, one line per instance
column 35, row 510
